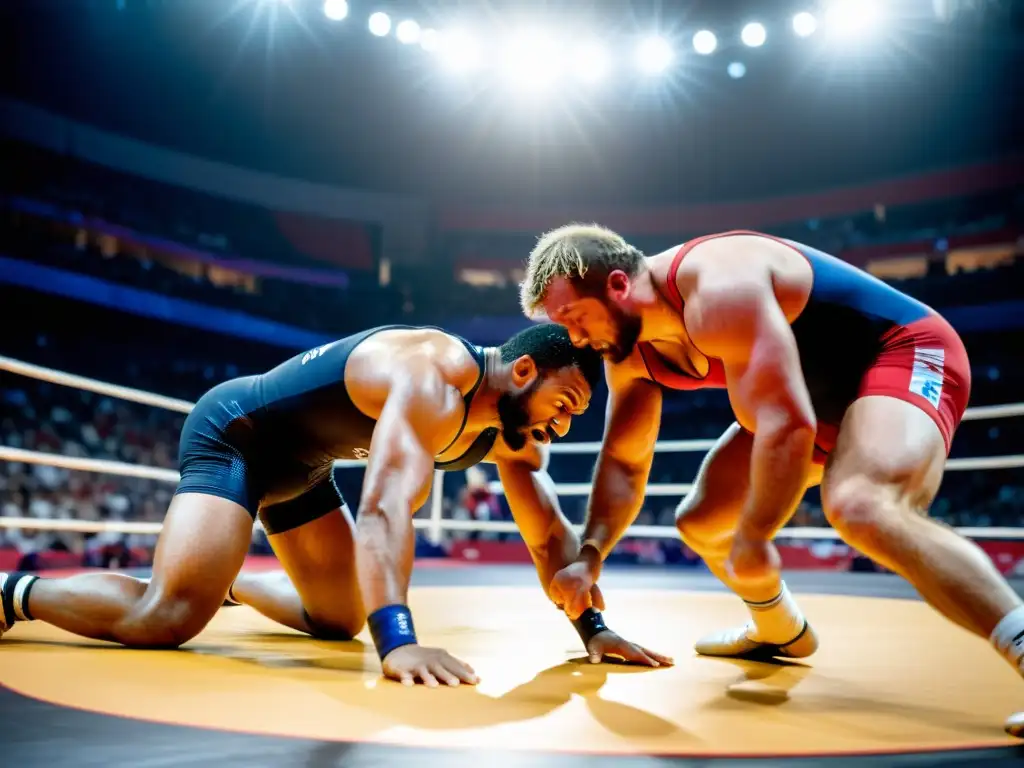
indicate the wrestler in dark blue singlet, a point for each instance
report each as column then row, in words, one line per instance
column 268, row 442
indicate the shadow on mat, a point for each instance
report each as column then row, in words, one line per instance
column 346, row 655
column 549, row 690
column 464, row 707
column 769, row 683
column 766, row 681
column 294, row 650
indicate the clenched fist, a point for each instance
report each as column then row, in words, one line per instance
column 573, row 590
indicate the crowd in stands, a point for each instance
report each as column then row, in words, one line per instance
column 74, row 197
column 410, row 298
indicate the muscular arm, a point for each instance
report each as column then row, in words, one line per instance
column 417, row 414
column 553, row 545
column 631, row 427
column 742, row 323
column 533, row 500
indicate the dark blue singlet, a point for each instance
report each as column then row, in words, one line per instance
column 268, row 442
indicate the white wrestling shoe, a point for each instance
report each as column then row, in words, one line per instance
column 744, row 642
column 1015, row 725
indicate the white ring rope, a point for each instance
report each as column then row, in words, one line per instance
column 478, row 526
column 101, row 466
column 436, row 523
column 92, row 385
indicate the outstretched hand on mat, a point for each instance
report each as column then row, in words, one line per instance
column 608, row 644
column 430, row 666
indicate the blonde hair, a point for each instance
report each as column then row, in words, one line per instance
column 571, row 252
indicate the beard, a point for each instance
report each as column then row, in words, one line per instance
column 515, row 419
column 628, row 329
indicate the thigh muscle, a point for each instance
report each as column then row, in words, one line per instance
column 200, row 551
column 887, row 442
column 319, row 558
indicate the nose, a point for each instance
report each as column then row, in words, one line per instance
column 561, row 425
column 578, row 339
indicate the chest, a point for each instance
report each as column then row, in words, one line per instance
column 678, row 366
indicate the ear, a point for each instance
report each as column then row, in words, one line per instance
column 524, row 371
column 619, row 285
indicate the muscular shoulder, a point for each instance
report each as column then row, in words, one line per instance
column 419, row 366
column 741, row 267
column 408, row 354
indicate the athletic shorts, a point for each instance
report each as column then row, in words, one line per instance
column 923, row 363
column 222, row 453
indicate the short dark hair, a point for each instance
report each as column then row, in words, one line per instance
column 551, row 349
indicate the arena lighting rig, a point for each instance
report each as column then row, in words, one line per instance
column 534, row 59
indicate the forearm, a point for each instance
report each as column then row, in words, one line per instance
column 780, row 465
column 615, row 501
column 385, row 546
column 533, row 500
column 560, row 545
column 560, row 549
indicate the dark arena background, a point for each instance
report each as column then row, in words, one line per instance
column 194, row 190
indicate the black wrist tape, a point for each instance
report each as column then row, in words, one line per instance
column 590, row 623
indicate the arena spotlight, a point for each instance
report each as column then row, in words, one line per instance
column 851, row 17
column 430, row 40
column 705, row 42
column 804, row 24
column 379, row 24
column 736, row 70
column 458, row 51
column 532, row 61
column 590, row 62
column 335, row 10
column 654, row 55
column 754, row 34
column 407, row 32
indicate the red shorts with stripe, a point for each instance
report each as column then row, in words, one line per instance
column 923, row 363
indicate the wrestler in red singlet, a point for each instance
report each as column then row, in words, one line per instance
column 834, row 378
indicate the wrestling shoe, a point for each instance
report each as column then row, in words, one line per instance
column 229, row 598
column 14, row 591
column 1015, row 725
column 744, row 642
column 772, row 621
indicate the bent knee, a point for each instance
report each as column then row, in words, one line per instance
column 701, row 525
column 163, row 623
column 343, row 628
column 862, row 510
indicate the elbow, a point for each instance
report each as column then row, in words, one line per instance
column 801, row 422
column 626, row 464
column 792, row 425
column 378, row 518
column 373, row 525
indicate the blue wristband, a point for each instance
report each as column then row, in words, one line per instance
column 391, row 627
column 590, row 623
